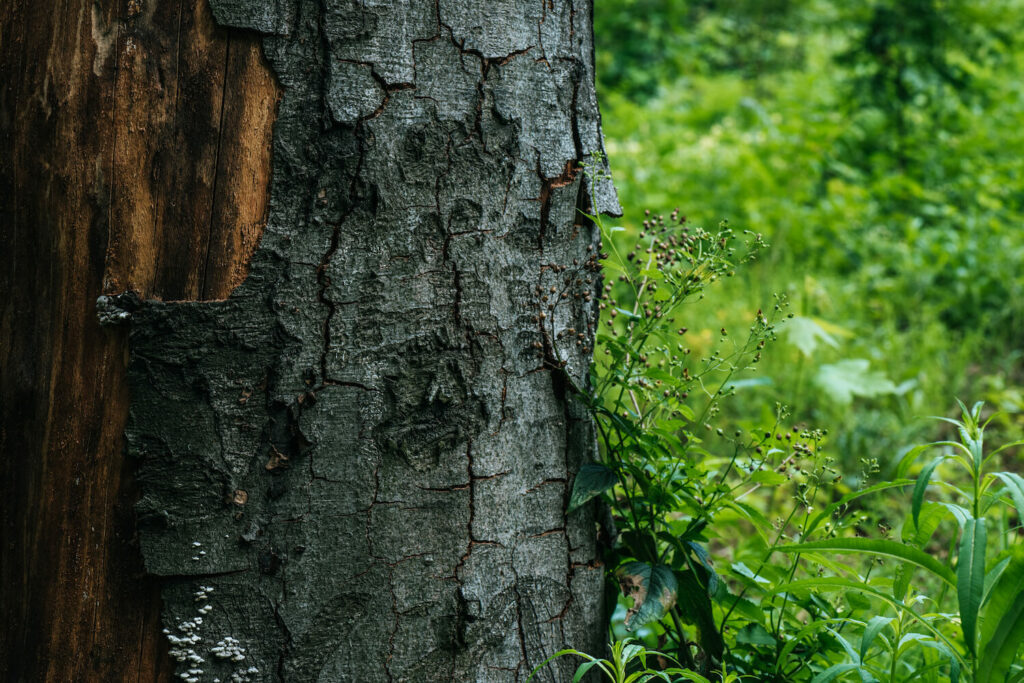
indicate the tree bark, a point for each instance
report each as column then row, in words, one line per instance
column 356, row 466
column 134, row 154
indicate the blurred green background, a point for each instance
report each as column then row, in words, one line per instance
column 878, row 148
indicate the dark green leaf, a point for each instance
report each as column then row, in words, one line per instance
column 970, row 581
column 871, row 631
column 695, row 606
column 582, row 671
column 592, row 480
column 653, row 588
column 1002, row 626
column 755, row 634
column 921, row 485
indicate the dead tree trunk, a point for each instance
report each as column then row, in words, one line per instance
column 356, row 466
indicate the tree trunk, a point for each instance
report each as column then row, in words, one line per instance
column 356, row 466
column 135, row 154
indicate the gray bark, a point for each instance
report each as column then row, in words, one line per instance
column 356, row 467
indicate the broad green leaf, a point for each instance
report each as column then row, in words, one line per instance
column 653, row 588
column 852, row 377
column 807, row 334
column 961, row 513
column 871, row 631
column 592, row 480
column 921, row 485
column 755, row 634
column 850, row 652
column 929, row 518
column 992, row 575
column 970, row 578
column 743, row 607
column 705, row 559
column 872, row 546
column 743, row 570
column 695, row 606
column 1002, row 624
column 910, row 457
column 768, row 478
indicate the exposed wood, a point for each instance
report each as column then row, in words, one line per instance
column 134, row 154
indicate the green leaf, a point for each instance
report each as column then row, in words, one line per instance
column 872, row 546
column 743, row 570
column 705, row 559
column 755, row 634
column 1002, row 625
column 929, row 518
column 954, row 664
column 582, row 670
column 695, row 606
column 851, row 377
column 819, row 584
column 833, row 672
column 653, row 588
column 832, row 507
column 592, row 480
column 871, row 631
column 921, row 485
column 1015, row 487
column 807, row 334
column 970, row 582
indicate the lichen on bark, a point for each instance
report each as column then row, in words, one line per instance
column 359, row 452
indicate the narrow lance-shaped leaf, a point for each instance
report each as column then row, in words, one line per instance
column 921, row 485
column 954, row 664
column 970, row 581
column 1002, row 625
column 871, row 546
column 871, row 631
column 1015, row 487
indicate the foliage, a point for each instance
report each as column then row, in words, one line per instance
column 628, row 664
column 875, row 145
column 880, row 158
column 727, row 547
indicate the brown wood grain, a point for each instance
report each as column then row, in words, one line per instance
column 134, row 154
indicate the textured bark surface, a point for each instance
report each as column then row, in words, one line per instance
column 134, row 154
column 356, row 467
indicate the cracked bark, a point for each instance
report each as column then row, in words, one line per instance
column 358, row 458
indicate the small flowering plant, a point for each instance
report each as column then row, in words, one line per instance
column 669, row 471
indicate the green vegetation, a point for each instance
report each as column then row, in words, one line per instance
column 876, row 146
column 772, row 517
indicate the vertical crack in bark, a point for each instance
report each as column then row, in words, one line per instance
column 204, row 294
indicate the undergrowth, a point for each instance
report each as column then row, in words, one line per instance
column 740, row 551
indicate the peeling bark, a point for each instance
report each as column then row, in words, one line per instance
column 134, row 154
column 356, row 466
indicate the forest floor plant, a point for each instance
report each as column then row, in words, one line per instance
column 723, row 545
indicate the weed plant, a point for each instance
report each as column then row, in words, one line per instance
column 738, row 553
